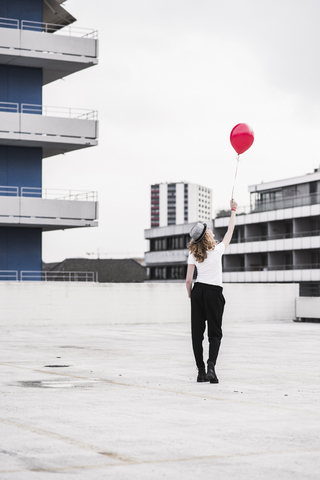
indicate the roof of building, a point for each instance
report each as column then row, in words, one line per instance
column 286, row 182
column 55, row 14
column 124, row 270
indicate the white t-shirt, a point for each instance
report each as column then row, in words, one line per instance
column 210, row 270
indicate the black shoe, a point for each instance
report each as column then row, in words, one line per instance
column 211, row 374
column 202, row 377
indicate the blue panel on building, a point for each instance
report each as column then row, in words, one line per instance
column 20, row 249
column 20, row 167
column 20, row 85
column 22, row 9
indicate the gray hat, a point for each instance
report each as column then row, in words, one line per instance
column 198, row 231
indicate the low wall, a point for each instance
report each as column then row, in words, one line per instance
column 67, row 303
column 308, row 307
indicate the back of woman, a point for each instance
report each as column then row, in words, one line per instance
column 207, row 300
column 210, row 269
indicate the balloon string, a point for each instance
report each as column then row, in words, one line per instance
column 234, row 182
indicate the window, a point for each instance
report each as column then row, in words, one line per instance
column 158, row 273
column 289, row 191
column 313, row 187
column 289, row 259
column 289, row 228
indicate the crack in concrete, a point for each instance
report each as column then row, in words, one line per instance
column 65, row 439
column 133, row 462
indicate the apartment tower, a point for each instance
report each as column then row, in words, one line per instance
column 37, row 47
column 178, row 203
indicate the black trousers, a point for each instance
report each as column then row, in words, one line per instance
column 207, row 304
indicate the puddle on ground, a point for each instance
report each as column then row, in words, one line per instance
column 57, row 366
column 57, row 383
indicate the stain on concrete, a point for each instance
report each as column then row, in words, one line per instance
column 57, row 366
column 63, row 383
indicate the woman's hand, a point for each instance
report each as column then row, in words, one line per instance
column 233, row 204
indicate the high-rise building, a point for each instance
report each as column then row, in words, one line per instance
column 178, row 203
column 37, row 47
column 278, row 238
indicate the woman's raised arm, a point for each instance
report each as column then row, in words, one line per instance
column 227, row 238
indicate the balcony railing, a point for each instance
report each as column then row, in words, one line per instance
column 49, row 193
column 9, row 107
column 8, row 275
column 62, row 112
column 287, row 202
column 28, row 25
column 9, row 23
column 277, row 204
column 51, row 276
column 65, row 112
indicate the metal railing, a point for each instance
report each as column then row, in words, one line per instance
column 49, row 193
column 65, row 112
column 62, row 112
column 59, row 29
column 9, row 107
column 9, row 23
column 42, row 27
column 242, row 210
column 8, row 275
column 277, row 204
column 51, row 276
column 286, row 202
column 9, row 191
column 57, row 194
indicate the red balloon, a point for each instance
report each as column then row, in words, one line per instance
column 241, row 137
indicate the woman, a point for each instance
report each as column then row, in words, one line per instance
column 207, row 300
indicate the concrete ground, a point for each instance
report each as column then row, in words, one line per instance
column 121, row 402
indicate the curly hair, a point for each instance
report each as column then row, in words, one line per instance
column 200, row 249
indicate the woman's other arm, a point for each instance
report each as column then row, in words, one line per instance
column 227, row 238
column 189, row 279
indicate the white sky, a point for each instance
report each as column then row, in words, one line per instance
column 174, row 77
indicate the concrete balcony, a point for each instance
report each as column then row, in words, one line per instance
column 41, row 45
column 281, row 273
column 166, row 257
column 54, row 129
column 286, row 244
column 47, row 209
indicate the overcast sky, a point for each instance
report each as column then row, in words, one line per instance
column 174, row 77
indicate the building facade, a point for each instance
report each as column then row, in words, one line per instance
column 278, row 238
column 178, row 203
column 37, row 47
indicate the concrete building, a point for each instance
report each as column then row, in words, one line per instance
column 178, row 203
column 37, row 47
column 278, row 238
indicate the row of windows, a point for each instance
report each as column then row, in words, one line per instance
column 177, row 242
column 272, row 260
column 168, row 273
column 309, row 227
